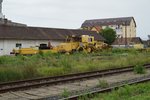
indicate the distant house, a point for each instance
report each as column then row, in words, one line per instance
column 124, row 26
column 17, row 36
column 129, row 42
column 147, row 43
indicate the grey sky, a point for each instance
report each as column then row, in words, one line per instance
column 72, row 13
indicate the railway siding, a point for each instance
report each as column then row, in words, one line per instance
column 56, row 91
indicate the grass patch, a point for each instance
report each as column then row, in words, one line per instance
column 47, row 64
column 139, row 69
column 102, row 84
column 135, row 92
column 65, row 93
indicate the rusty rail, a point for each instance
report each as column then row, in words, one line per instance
column 109, row 89
column 34, row 83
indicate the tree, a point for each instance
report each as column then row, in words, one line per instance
column 109, row 34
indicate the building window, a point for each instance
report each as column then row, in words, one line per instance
column 18, row 45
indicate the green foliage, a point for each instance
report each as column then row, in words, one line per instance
column 10, row 74
column 65, row 93
column 66, row 64
column 2, row 60
column 136, row 92
column 139, row 69
column 25, row 67
column 103, row 84
column 51, row 71
column 29, row 71
column 86, row 96
column 109, row 34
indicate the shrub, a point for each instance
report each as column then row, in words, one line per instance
column 49, row 64
column 103, row 84
column 2, row 60
column 134, row 92
column 29, row 71
column 51, row 71
column 10, row 74
column 66, row 63
column 65, row 93
column 139, row 69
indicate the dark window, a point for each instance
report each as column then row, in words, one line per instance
column 90, row 40
column 43, row 46
column 18, row 45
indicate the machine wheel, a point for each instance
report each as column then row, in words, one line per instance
column 89, row 50
column 17, row 54
column 80, row 49
column 73, row 51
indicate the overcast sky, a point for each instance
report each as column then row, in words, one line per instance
column 72, row 13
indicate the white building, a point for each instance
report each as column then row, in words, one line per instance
column 125, row 27
column 18, row 36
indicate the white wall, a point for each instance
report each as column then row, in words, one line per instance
column 6, row 46
column 124, row 31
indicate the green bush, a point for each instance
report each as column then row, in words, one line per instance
column 29, row 72
column 10, row 74
column 66, row 63
column 139, row 69
column 65, row 93
column 135, row 92
column 103, row 84
column 49, row 64
column 51, row 71
column 2, row 60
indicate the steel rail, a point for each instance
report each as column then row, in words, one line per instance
column 34, row 83
column 109, row 89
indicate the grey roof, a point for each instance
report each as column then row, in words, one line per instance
column 39, row 33
column 108, row 21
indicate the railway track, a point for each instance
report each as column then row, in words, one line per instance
column 47, row 81
column 109, row 89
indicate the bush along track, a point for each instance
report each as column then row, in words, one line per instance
column 47, row 81
column 116, row 91
column 135, row 92
column 14, row 68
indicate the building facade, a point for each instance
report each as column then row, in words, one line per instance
column 128, row 42
column 125, row 27
column 7, row 45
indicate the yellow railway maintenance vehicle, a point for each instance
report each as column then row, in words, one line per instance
column 84, row 43
column 77, row 43
column 73, row 43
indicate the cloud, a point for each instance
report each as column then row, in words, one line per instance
column 72, row 13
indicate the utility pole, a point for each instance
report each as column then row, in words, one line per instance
column 1, row 14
